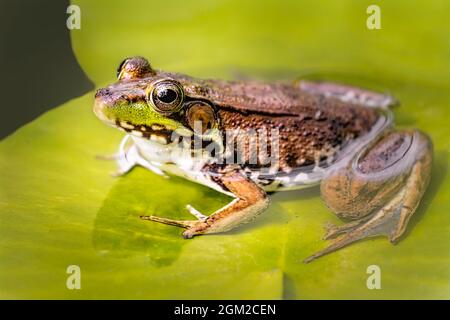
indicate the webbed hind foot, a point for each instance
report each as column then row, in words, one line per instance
column 380, row 189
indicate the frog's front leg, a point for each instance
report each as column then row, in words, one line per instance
column 250, row 201
column 128, row 157
column 379, row 189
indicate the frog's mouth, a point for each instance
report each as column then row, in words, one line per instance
column 155, row 132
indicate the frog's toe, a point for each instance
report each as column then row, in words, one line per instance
column 124, row 166
column 194, row 227
column 177, row 223
column 389, row 221
column 200, row 216
column 332, row 231
column 119, row 173
column 108, row 157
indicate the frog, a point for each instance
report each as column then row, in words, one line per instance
column 336, row 136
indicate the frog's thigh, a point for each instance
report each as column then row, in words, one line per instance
column 380, row 190
column 250, row 201
column 349, row 94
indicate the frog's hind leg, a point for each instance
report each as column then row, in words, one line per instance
column 250, row 201
column 349, row 94
column 381, row 189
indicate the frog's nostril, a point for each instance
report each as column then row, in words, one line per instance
column 101, row 92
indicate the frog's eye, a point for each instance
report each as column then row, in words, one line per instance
column 201, row 117
column 135, row 67
column 166, row 96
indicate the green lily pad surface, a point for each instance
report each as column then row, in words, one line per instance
column 60, row 206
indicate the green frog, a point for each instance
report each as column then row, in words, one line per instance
column 248, row 139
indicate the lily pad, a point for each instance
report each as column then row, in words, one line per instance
column 60, row 206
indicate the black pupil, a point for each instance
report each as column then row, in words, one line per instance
column 167, row 95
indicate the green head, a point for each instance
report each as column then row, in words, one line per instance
column 153, row 104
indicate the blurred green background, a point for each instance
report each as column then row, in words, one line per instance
column 59, row 206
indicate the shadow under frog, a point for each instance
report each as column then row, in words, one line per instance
column 120, row 233
column 439, row 172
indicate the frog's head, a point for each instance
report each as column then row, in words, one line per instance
column 153, row 104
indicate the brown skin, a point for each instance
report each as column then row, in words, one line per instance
column 379, row 185
column 323, row 126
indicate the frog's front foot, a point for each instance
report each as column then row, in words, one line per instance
column 379, row 189
column 128, row 157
